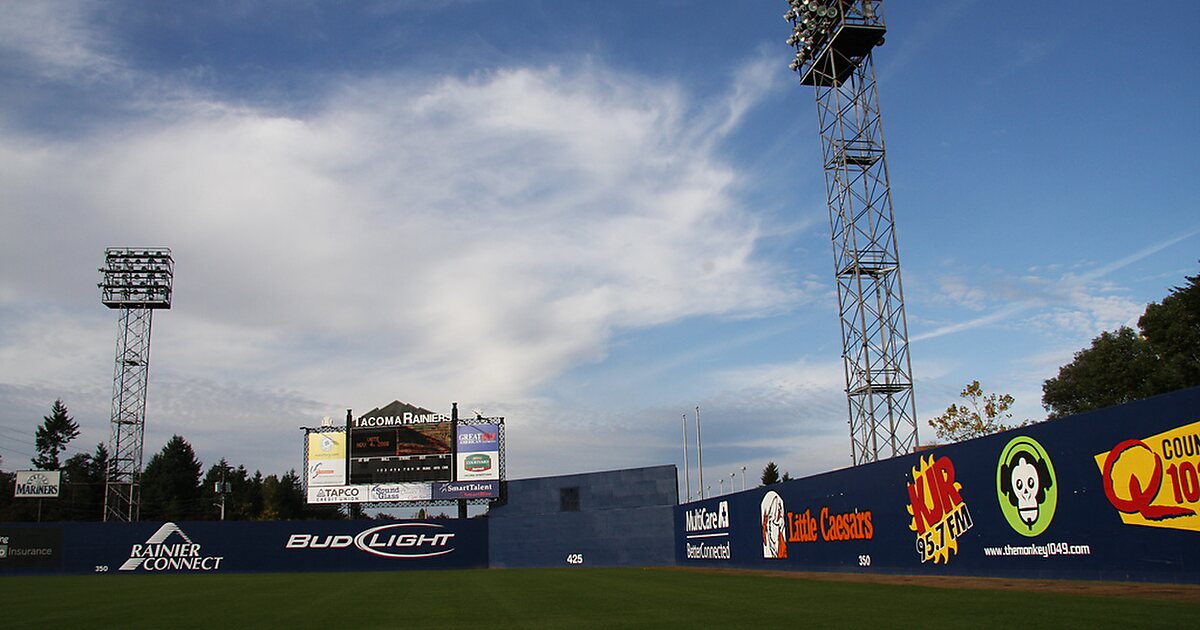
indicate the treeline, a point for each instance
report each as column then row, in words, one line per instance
column 173, row 485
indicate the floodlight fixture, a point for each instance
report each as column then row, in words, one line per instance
column 137, row 278
column 135, row 281
column 833, row 42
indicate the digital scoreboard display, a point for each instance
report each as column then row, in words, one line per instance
column 400, row 445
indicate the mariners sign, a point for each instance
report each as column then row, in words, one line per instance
column 37, row 484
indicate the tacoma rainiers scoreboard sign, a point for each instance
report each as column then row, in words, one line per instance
column 400, row 443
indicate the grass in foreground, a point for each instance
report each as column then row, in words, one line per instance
column 547, row 598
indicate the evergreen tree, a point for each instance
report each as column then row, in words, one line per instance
column 52, row 437
column 171, row 483
column 83, row 488
column 770, row 474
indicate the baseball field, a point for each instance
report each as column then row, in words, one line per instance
column 581, row 598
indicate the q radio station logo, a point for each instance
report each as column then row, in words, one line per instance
column 403, row 541
column 1155, row 481
column 169, row 549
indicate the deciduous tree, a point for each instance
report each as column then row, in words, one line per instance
column 1127, row 365
column 981, row 414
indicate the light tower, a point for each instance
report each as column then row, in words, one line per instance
column 833, row 40
column 136, row 282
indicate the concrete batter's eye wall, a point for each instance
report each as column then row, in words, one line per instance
column 1109, row 495
column 617, row 518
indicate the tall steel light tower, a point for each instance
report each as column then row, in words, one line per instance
column 135, row 282
column 833, row 40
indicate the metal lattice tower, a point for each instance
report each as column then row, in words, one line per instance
column 136, row 282
column 833, row 40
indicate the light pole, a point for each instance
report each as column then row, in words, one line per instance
column 687, row 474
column 743, row 478
column 700, row 454
column 720, row 486
column 732, row 476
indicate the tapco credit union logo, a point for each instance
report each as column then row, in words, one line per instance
column 939, row 513
column 1154, row 481
column 1026, row 486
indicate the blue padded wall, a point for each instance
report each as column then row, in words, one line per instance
column 624, row 518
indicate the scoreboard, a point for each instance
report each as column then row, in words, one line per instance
column 411, row 445
column 404, row 453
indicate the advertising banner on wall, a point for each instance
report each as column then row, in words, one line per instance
column 22, row 548
column 326, row 458
column 466, row 490
column 1112, row 494
column 370, row 493
column 478, row 452
column 39, row 484
column 232, row 547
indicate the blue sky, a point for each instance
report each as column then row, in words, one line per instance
column 589, row 218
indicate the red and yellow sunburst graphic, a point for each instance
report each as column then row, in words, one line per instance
column 939, row 513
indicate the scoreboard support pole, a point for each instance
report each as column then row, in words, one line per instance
column 462, row 503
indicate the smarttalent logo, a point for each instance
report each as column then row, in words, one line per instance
column 395, row 540
column 169, row 549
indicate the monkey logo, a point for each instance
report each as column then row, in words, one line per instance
column 1026, row 486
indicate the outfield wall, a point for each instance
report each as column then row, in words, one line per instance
column 240, row 546
column 611, row 518
column 1108, row 495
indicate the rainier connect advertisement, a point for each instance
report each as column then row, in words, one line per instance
column 1112, row 494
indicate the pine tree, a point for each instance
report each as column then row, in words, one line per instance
column 770, row 474
column 171, row 483
column 52, row 437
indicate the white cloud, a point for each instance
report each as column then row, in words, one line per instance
column 57, row 38
column 429, row 238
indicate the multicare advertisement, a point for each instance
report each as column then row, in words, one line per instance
column 1112, row 494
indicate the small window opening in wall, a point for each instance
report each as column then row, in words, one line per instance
column 568, row 499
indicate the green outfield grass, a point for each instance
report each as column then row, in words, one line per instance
column 548, row 598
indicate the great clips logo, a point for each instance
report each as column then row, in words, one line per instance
column 1155, row 481
column 939, row 513
column 403, row 541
